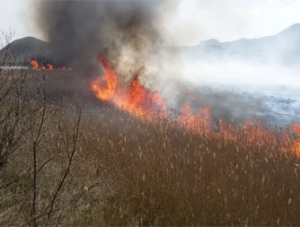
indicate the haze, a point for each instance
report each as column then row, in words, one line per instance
column 194, row 20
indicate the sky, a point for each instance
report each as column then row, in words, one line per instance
column 192, row 20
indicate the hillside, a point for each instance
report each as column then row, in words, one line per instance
column 21, row 51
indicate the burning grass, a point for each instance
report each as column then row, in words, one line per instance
column 129, row 170
column 146, row 105
column 35, row 65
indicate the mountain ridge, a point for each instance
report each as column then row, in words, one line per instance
column 283, row 47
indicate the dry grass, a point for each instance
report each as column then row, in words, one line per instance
column 169, row 177
column 125, row 171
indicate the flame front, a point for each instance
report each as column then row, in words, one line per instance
column 140, row 102
column 135, row 99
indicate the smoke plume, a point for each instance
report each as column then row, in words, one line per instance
column 79, row 31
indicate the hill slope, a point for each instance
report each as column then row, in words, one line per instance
column 21, row 51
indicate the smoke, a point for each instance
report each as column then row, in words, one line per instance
column 79, row 31
column 132, row 32
column 235, row 88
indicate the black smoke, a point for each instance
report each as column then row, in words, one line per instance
column 79, row 31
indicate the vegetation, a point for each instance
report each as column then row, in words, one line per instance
column 67, row 161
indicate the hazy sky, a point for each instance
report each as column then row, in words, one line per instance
column 193, row 21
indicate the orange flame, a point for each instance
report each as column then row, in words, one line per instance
column 136, row 99
column 49, row 67
column 105, row 89
column 200, row 123
column 34, row 64
column 296, row 143
column 141, row 102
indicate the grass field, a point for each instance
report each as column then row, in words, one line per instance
column 68, row 159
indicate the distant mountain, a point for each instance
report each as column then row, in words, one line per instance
column 21, row 51
column 283, row 48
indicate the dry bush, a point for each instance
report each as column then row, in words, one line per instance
column 39, row 142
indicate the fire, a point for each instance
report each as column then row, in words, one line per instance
column 141, row 102
column 34, row 64
column 149, row 105
column 105, row 89
column 200, row 123
column 136, row 99
column 49, row 66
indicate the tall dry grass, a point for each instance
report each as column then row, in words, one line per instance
column 166, row 176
